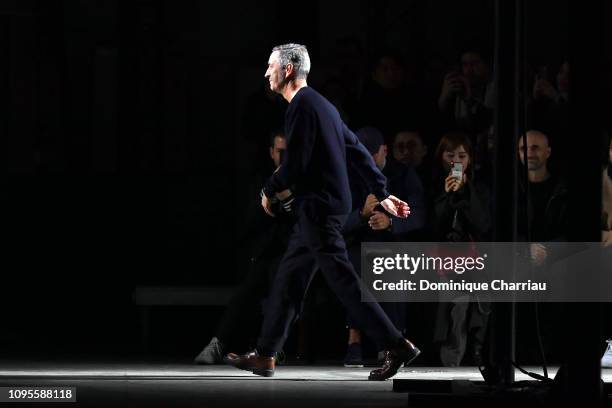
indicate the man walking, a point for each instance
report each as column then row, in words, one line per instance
column 319, row 149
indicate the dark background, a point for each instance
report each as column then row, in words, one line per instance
column 126, row 159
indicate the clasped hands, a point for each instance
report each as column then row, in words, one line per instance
column 378, row 220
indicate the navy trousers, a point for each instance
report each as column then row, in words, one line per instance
column 316, row 242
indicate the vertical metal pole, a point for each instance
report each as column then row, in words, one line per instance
column 507, row 72
column 586, row 38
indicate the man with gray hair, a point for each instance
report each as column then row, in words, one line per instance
column 319, row 149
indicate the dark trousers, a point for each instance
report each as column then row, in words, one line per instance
column 244, row 313
column 461, row 327
column 316, row 242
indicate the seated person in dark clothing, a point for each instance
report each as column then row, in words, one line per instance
column 546, row 195
column 466, row 99
column 409, row 149
column 366, row 224
column 461, row 214
column 270, row 237
column 542, row 217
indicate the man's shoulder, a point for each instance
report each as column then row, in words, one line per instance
column 310, row 101
column 307, row 96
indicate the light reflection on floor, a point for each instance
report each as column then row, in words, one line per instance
column 102, row 370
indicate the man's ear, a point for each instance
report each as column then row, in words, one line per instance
column 289, row 70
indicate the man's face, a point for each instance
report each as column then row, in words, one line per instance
column 280, row 144
column 275, row 74
column 474, row 68
column 538, row 150
column 380, row 157
column 408, row 148
column 388, row 73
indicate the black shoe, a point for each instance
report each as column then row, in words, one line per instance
column 394, row 359
column 354, row 356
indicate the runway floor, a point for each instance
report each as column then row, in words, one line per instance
column 170, row 384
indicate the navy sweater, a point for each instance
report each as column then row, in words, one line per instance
column 319, row 148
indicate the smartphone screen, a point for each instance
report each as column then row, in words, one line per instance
column 457, row 171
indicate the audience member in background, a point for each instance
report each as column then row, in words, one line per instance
column 542, row 217
column 466, row 99
column 545, row 217
column 264, row 111
column 344, row 85
column 466, row 103
column 270, row 237
column 336, row 91
column 409, row 149
column 461, row 214
column 366, row 224
column 548, row 107
column 389, row 101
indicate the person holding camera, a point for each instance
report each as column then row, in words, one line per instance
column 548, row 108
column 460, row 214
column 466, row 99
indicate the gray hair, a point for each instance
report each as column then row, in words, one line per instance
column 297, row 55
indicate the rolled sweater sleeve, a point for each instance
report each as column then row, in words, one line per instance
column 363, row 163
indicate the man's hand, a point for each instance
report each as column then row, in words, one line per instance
column 265, row 203
column 453, row 84
column 368, row 207
column 538, row 254
column 379, row 221
column 395, row 206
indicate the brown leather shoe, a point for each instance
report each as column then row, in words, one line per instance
column 394, row 359
column 252, row 362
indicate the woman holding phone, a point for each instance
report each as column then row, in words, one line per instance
column 461, row 214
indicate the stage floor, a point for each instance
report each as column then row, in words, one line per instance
column 107, row 384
